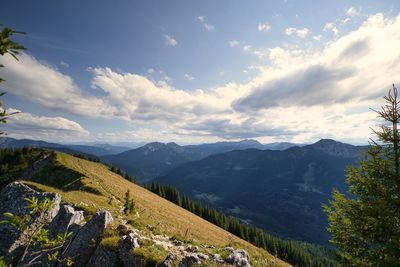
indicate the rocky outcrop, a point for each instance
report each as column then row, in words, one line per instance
column 103, row 257
column 83, row 245
column 128, row 244
column 59, row 218
column 239, row 258
column 67, row 219
column 84, row 242
column 12, row 200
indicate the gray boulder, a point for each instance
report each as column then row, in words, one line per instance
column 169, row 261
column 67, row 220
column 12, row 200
column 190, row 260
column 84, row 242
column 239, row 258
column 103, row 257
column 128, row 244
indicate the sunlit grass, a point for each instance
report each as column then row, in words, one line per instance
column 101, row 188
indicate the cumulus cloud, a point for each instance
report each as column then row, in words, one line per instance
column 353, row 12
column 170, row 41
column 330, row 26
column 64, row 64
column 260, row 54
column 299, row 96
column 247, row 48
column 40, row 83
column 302, row 33
column 263, row 27
column 206, row 25
column 26, row 125
column 137, row 98
column 188, row 77
column 317, row 37
column 233, row 43
column 357, row 67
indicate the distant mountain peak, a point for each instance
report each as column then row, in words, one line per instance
column 335, row 148
column 249, row 141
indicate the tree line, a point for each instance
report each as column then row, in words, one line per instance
column 294, row 252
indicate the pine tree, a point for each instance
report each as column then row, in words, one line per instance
column 129, row 204
column 365, row 224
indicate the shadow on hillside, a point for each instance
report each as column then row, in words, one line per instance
column 59, row 176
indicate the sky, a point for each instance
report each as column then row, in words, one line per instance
column 199, row 71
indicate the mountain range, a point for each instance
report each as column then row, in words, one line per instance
column 155, row 159
column 279, row 187
column 282, row 191
column 94, row 150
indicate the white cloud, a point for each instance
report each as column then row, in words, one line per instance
column 64, row 64
column 302, row 33
column 300, row 96
column 206, row 25
column 26, row 125
column 263, row 27
column 247, row 48
column 260, row 54
column 317, row 37
column 170, row 41
column 334, row 75
column 188, row 77
column 353, row 12
column 137, row 98
column 330, row 26
column 344, row 21
column 40, row 83
column 233, row 43
column 150, row 71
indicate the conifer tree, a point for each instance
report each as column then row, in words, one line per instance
column 365, row 224
column 129, row 204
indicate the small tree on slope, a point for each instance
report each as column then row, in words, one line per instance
column 365, row 225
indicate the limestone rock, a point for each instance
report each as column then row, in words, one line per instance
column 239, row 258
column 67, row 220
column 190, row 260
column 129, row 242
column 84, row 242
column 103, row 257
column 12, row 200
column 169, row 261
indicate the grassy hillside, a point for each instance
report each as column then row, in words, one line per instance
column 91, row 185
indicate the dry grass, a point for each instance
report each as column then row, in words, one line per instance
column 163, row 216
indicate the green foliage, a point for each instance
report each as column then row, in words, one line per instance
column 151, row 255
column 18, row 221
column 8, row 46
column 37, row 235
column 13, row 162
column 111, row 242
column 296, row 253
column 3, row 262
column 365, row 223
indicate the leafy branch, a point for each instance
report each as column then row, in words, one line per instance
column 31, row 226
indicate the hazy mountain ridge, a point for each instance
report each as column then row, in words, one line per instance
column 95, row 149
column 155, row 159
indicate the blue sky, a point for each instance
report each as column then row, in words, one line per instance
column 200, row 71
